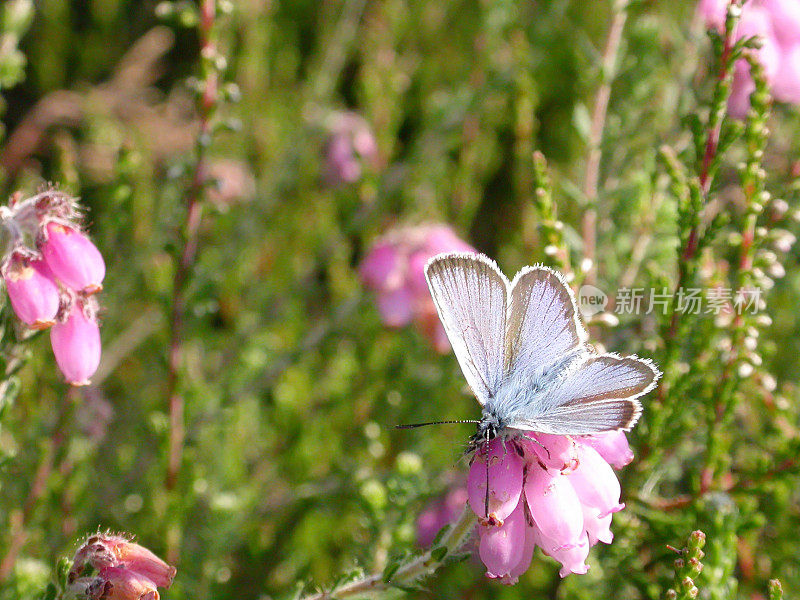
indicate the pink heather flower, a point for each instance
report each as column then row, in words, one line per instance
column 351, row 143
column 612, row 446
column 440, row 513
column 394, row 270
column 76, row 344
column 73, row 258
column 117, row 583
column 554, row 506
column 125, row 570
column 777, row 23
column 32, row 290
column 502, row 547
column 505, row 478
column 561, row 491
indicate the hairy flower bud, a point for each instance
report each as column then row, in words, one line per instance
column 33, row 292
column 125, row 570
column 73, row 258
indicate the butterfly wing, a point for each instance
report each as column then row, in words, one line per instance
column 471, row 295
column 596, row 393
column 543, row 327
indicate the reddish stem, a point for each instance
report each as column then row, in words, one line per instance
column 186, row 261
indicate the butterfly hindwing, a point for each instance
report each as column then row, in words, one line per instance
column 597, row 393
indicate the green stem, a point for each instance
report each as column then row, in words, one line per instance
column 411, row 570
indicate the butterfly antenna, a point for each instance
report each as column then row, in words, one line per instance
column 413, row 425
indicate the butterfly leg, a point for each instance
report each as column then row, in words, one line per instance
column 537, row 442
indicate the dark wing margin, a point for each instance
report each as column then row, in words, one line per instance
column 471, row 295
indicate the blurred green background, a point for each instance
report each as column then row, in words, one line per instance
column 292, row 470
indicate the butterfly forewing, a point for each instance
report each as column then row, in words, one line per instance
column 542, row 322
column 470, row 294
column 597, row 394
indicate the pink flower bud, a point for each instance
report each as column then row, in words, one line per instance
column 113, row 554
column 32, row 291
column 503, row 548
column 595, row 482
column 118, row 583
column 142, row 561
column 612, row 446
column 505, row 480
column 554, row 506
column 76, row 346
column 73, row 259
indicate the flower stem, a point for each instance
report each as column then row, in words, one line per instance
column 599, row 112
column 410, row 570
column 194, row 210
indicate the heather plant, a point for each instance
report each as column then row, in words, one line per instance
column 257, row 188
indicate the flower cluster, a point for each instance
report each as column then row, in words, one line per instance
column 52, row 271
column 118, row 569
column 555, row 492
column 777, row 23
column 351, row 143
column 395, row 269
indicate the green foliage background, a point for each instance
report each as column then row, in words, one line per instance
column 292, row 470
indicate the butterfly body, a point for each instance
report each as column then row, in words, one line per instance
column 523, row 351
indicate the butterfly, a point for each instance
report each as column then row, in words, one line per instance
column 524, row 352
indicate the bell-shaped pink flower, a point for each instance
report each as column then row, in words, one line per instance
column 113, row 554
column 785, row 20
column 142, row 561
column 438, row 514
column 786, row 86
column 503, row 548
column 572, row 558
column 73, row 258
column 597, row 528
column 595, row 482
column 554, row 506
column 396, row 307
column 76, row 346
column 351, row 144
column 553, row 451
column 527, row 556
column 777, row 24
column 505, row 480
column 119, row 583
column 612, row 446
column 394, row 269
column 33, row 292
